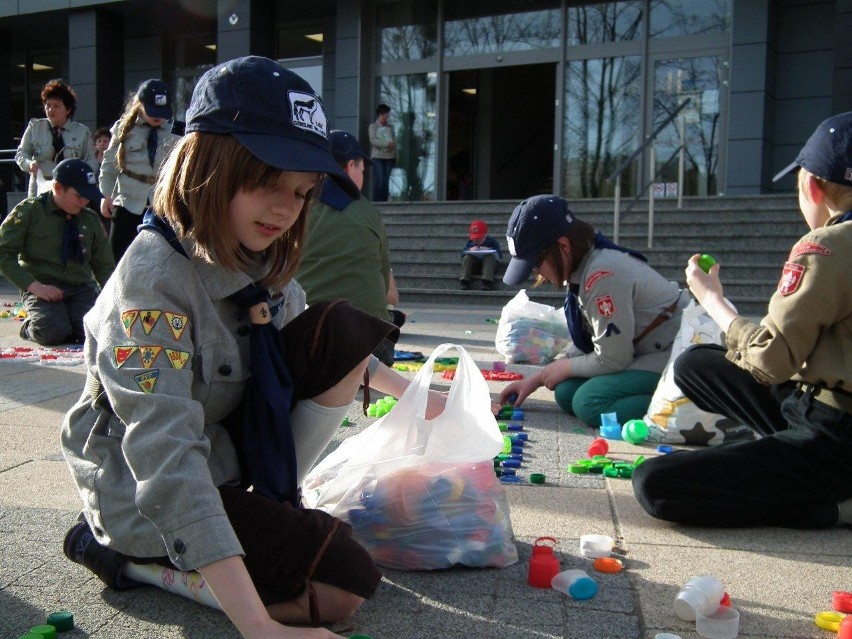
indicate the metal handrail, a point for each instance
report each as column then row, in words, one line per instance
column 11, row 159
column 616, row 175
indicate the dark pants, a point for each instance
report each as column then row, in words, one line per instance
column 52, row 323
column 124, row 224
column 792, row 476
column 381, row 179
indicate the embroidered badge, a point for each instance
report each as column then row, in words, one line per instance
column 791, row 277
column 148, row 354
column 306, row 113
column 149, row 320
column 148, row 380
column 596, row 277
column 605, row 306
column 122, row 353
column 176, row 323
column 177, row 359
column 808, row 248
column 128, row 319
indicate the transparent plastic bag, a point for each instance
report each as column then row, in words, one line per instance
column 422, row 494
column 530, row 332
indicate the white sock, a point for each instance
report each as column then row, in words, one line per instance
column 313, row 428
column 186, row 584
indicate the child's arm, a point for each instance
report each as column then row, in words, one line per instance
column 707, row 289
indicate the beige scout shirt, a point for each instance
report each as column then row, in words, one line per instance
column 37, row 145
column 807, row 333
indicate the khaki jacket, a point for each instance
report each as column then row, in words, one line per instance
column 37, row 144
column 807, row 334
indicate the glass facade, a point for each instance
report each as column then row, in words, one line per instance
column 484, row 106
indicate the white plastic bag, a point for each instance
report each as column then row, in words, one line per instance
column 529, row 332
column 674, row 418
column 422, row 494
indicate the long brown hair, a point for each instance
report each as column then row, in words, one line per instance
column 199, row 179
column 581, row 236
column 132, row 109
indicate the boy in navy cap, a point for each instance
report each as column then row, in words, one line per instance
column 788, row 377
column 346, row 253
column 51, row 248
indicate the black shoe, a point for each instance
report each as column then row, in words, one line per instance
column 464, row 285
column 397, row 318
column 25, row 332
column 487, row 285
column 81, row 547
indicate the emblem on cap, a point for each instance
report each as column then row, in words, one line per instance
column 306, row 113
column 161, row 99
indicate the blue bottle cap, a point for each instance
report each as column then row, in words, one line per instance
column 662, row 448
column 583, row 588
column 511, row 463
column 510, row 479
column 517, row 450
column 516, row 440
column 522, row 436
column 518, row 456
column 515, row 427
column 507, row 472
column 611, row 431
column 518, row 414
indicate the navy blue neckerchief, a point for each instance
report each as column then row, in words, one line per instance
column 846, row 217
column 579, row 335
column 264, row 435
column 72, row 247
column 334, row 196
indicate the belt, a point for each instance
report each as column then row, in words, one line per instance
column 665, row 315
column 832, row 397
column 139, row 177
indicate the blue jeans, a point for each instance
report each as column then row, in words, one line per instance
column 381, row 178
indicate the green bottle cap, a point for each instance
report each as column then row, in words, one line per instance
column 45, row 631
column 705, row 262
column 537, row 478
column 62, row 620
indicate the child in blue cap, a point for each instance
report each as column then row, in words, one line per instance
column 788, row 378
column 206, row 378
column 622, row 314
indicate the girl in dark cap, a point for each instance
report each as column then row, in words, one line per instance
column 206, row 377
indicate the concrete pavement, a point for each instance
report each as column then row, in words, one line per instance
column 778, row 579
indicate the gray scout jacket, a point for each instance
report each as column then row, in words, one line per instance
column 620, row 296
column 167, row 352
column 37, row 144
column 133, row 187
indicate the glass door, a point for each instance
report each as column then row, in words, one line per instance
column 703, row 80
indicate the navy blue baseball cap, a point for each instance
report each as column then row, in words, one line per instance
column 271, row 111
column 828, row 152
column 154, row 96
column 79, row 176
column 535, row 224
column 345, row 147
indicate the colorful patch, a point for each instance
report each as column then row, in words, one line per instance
column 605, row 306
column 149, row 320
column 122, row 354
column 128, row 319
column 148, row 380
column 596, row 277
column 791, row 277
column 177, row 359
column 809, row 248
column 176, row 323
column 148, row 354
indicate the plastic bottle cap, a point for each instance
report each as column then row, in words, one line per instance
column 62, row 620
column 828, row 620
column 510, row 479
column 537, row 478
column 594, row 546
column 578, row 469
column 612, row 431
column 583, row 588
column 845, row 629
column 842, row 601
column 722, row 624
column 689, row 601
column 705, row 262
column 44, row 631
column 608, row 564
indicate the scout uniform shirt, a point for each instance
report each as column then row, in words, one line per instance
column 31, row 246
column 168, row 360
column 133, row 187
column 619, row 297
column 37, row 144
column 805, row 335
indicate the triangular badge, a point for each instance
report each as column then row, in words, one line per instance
column 128, row 319
column 149, row 320
column 177, row 359
column 122, row 353
column 148, row 380
column 176, row 323
column 148, row 354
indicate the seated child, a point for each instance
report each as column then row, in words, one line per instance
column 479, row 257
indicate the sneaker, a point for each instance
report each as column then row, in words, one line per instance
column 25, row 329
column 464, row 285
column 81, row 547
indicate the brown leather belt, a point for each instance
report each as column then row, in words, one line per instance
column 667, row 314
column 834, row 398
column 139, row 177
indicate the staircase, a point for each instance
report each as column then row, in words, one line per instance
column 750, row 237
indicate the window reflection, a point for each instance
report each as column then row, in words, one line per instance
column 407, row 30
column 689, row 17
column 610, row 22
column 413, row 116
column 602, row 108
column 699, row 80
column 497, row 27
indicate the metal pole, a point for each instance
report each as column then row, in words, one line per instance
column 616, row 213
column 651, row 197
column 681, row 160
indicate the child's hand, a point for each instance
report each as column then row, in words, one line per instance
column 702, row 284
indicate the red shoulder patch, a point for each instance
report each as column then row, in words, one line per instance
column 605, row 305
column 594, row 278
column 809, row 248
column 791, row 277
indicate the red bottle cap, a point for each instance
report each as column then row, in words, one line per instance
column 842, row 601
